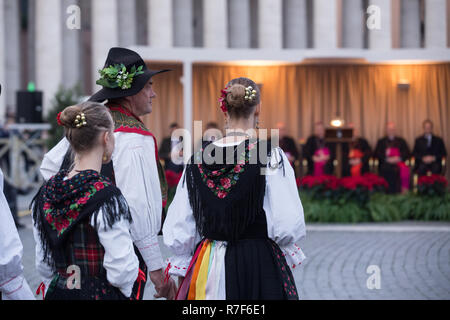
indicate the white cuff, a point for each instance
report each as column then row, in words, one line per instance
column 178, row 265
column 150, row 251
column 17, row 289
column 293, row 255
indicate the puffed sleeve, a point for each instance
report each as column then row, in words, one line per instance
column 12, row 283
column 120, row 261
column 136, row 175
column 53, row 159
column 284, row 210
column 179, row 231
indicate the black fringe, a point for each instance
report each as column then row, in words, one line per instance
column 38, row 218
column 222, row 219
column 228, row 219
column 114, row 209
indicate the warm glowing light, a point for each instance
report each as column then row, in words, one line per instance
column 337, row 123
column 255, row 63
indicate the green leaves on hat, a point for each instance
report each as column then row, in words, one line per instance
column 116, row 76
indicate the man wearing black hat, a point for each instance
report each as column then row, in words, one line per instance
column 135, row 167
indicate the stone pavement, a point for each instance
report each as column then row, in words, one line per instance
column 413, row 259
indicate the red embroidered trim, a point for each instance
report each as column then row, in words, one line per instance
column 150, row 245
column 125, row 111
column 41, row 287
column 122, row 128
column 173, row 266
column 2, row 284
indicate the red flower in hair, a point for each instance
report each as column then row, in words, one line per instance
column 58, row 119
column 222, row 100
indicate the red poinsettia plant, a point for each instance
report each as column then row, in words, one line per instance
column 434, row 185
column 346, row 188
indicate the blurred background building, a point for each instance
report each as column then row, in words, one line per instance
column 314, row 59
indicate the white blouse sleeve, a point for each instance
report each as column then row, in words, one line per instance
column 179, row 231
column 42, row 267
column 284, row 210
column 12, row 283
column 136, row 175
column 53, row 159
column 120, row 261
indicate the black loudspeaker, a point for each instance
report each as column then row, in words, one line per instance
column 29, row 107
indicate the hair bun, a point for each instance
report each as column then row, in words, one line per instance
column 68, row 116
column 236, row 96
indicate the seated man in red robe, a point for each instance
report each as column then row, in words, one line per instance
column 392, row 152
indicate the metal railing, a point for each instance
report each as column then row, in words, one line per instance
column 24, row 148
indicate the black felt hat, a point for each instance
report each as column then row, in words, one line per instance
column 130, row 59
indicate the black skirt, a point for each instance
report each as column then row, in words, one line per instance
column 255, row 269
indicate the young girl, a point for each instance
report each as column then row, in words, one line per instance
column 232, row 228
column 81, row 221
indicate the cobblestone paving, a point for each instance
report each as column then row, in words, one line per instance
column 414, row 261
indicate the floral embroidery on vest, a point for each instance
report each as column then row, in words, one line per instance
column 220, row 182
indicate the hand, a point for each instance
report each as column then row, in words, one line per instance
column 168, row 290
column 393, row 160
column 163, row 289
column 180, row 281
column 355, row 161
column 429, row 159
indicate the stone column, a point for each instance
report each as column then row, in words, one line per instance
column 13, row 69
column 48, row 49
column 160, row 23
column 71, row 71
column 435, row 24
column 353, row 24
column 215, row 33
column 2, row 61
column 295, row 24
column 380, row 38
column 410, row 24
column 127, row 23
column 183, row 23
column 270, row 24
column 325, row 24
column 104, row 34
column 187, row 96
column 239, row 23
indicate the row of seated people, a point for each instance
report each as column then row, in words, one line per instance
column 392, row 155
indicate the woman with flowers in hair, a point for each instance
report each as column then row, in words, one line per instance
column 236, row 216
column 84, row 250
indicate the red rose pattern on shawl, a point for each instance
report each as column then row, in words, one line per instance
column 60, row 222
column 222, row 188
